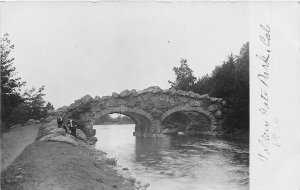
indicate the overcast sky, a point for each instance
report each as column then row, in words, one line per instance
column 76, row 49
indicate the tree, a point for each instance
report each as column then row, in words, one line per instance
column 224, row 80
column 10, row 85
column 184, row 77
column 49, row 106
column 241, row 103
column 203, row 85
column 17, row 108
column 229, row 81
column 35, row 102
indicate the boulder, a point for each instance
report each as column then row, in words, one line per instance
column 218, row 113
column 154, row 89
column 115, row 95
column 32, row 122
column 92, row 140
column 133, row 92
column 105, row 97
column 86, row 98
column 213, row 99
column 191, row 94
column 67, row 139
column 167, row 131
column 90, row 132
column 213, row 107
column 125, row 93
column 16, row 126
column 80, row 134
column 50, row 118
column 172, row 91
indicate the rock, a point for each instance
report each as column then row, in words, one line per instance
column 93, row 138
column 198, row 96
column 154, row 89
column 105, row 97
column 67, row 139
column 195, row 103
column 166, row 91
column 125, row 93
column 115, row 95
column 172, row 91
column 16, row 126
column 191, row 94
column 86, row 98
column 168, row 131
column 80, row 134
column 218, row 113
column 90, row 132
column 50, row 118
column 141, row 92
column 48, row 137
column 181, row 92
column 32, row 122
column 223, row 102
column 213, row 99
column 58, row 131
column 133, row 92
column 212, row 107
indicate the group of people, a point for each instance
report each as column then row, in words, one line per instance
column 68, row 124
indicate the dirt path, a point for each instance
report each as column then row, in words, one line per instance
column 15, row 141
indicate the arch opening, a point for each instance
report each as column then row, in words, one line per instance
column 140, row 118
column 188, row 121
column 114, row 118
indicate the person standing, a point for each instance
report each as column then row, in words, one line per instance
column 72, row 127
column 60, row 121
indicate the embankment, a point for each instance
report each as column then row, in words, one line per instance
column 59, row 161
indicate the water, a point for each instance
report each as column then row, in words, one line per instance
column 178, row 162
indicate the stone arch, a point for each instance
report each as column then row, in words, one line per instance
column 195, row 109
column 142, row 119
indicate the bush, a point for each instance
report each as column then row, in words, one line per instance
column 112, row 161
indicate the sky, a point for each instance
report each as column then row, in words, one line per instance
column 83, row 48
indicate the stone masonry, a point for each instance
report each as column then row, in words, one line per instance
column 152, row 110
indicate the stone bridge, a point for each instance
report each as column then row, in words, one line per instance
column 154, row 111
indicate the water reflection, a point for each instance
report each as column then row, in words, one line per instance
column 178, row 162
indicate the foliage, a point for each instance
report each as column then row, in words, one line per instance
column 17, row 107
column 10, row 85
column 184, row 77
column 229, row 81
column 111, row 161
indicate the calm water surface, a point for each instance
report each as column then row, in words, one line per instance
column 178, row 162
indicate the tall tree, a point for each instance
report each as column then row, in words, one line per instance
column 10, row 84
column 35, row 102
column 184, row 77
column 229, row 81
column 224, row 80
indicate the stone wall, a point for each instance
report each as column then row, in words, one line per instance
column 148, row 108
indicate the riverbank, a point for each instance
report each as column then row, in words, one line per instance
column 70, row 164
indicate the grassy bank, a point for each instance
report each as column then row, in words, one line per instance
column 61, row 165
